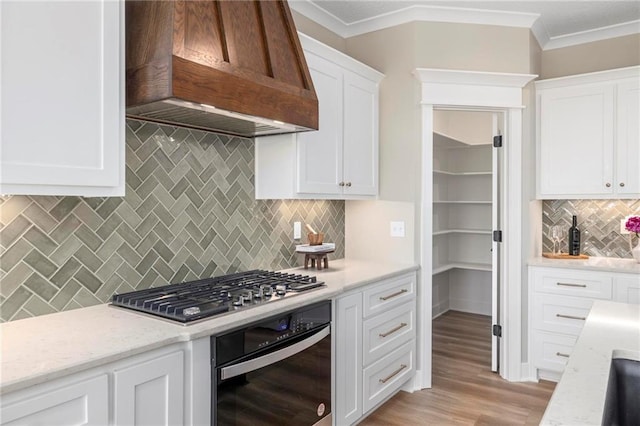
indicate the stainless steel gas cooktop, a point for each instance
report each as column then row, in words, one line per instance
column 195, row 300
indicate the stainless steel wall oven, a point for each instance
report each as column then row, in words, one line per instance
column 274, row 372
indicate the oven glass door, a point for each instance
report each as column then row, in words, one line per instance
column 289, row 386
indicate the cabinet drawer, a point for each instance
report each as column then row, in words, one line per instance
column 560, row 314
column 627, row 289
column 390, row 293
column 552, row 350
column 387, row 331
column 386, row 375
column 573, row 283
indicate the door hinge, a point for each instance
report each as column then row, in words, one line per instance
column 497, row 141
column 497, row 330
column 497, row 236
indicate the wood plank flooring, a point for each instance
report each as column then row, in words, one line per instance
column 465, row 391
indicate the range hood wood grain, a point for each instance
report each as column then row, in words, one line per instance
column 236, row 55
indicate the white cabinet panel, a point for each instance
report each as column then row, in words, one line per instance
column 576, row 133
column 552, row 351
column 360, row 129
column 320, row 153
column 560, row 314
column 387, row 331
column 627, row 180
column 340, row 159
column 572, row 282
column 627, row 289
column 83, row 403
column 348, row 356
column 151, row 393
column 374, row 348
column 388, row 294
column 588, row 135
column 62, row 98
column 384, row 377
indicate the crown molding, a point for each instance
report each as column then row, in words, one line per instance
column 462, row 16
column 604, row 33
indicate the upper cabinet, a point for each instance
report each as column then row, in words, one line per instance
column 340, row 160
column 62, row 98
column 588, row 135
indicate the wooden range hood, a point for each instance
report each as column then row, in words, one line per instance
column 230, row 66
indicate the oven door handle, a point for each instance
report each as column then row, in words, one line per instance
column 273, row 357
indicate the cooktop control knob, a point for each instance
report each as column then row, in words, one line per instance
column 281, row 289
column 266, row 291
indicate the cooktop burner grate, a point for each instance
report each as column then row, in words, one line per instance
column 195, row 300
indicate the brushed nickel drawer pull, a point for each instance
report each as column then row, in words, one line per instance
column 572, row 285
column 393, row 330
column 391, row 296
column 392, row 375
column 561, row 354
column 571, row 317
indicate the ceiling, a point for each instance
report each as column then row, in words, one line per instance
column 554, row 23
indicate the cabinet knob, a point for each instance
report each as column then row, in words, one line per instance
column 608, row 185
column 621, row 183
column 348, row 183
column 341, row 184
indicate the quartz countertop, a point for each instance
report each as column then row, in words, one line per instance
column 606, row 264
column 35, row 350
column 580, row 395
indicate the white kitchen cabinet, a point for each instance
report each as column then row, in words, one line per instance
column 340, row 160
column 69, row 402
column 588, row 143
column 375, row 345
column 62, row 98
column 151, row 392
column 559, row 302
column 146, row 389
column 348, row 356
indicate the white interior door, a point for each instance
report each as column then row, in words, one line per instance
column 498, row 126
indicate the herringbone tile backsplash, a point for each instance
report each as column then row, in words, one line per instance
column 598, row 221
column 189, row 212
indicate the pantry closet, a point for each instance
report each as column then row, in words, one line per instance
column 465, row 208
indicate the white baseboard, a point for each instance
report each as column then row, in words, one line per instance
column 439, row 309
column 528, row 373
column 470, row 306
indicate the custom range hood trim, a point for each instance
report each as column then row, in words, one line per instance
column 234, row 67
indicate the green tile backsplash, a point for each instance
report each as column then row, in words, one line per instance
column 189, row 212
column 598, row 221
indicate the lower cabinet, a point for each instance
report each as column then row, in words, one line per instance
column 560, row 300
column 374, row 346
column 151, row 392
column 145, row 389
column 80, row 402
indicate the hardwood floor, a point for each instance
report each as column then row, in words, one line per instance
column 465, row 391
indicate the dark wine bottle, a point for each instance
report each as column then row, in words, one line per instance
column 574, row 238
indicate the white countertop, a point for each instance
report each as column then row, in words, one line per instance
column 35, row 350
column 606, row 264
column 580, row 395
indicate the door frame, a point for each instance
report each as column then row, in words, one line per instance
column 484, row 91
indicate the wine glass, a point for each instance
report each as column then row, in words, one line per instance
column 556, row 232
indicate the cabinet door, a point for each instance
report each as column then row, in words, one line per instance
column 576, row 140
column 82, row 403
column 627, row 289
column 627, row 182
column 348, row 359
column 151, row 393
column 62, row 103
column 360, row 135
column 320, row 152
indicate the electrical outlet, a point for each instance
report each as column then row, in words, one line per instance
column 397, row 229
column 297, row 230
column 623, row 230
